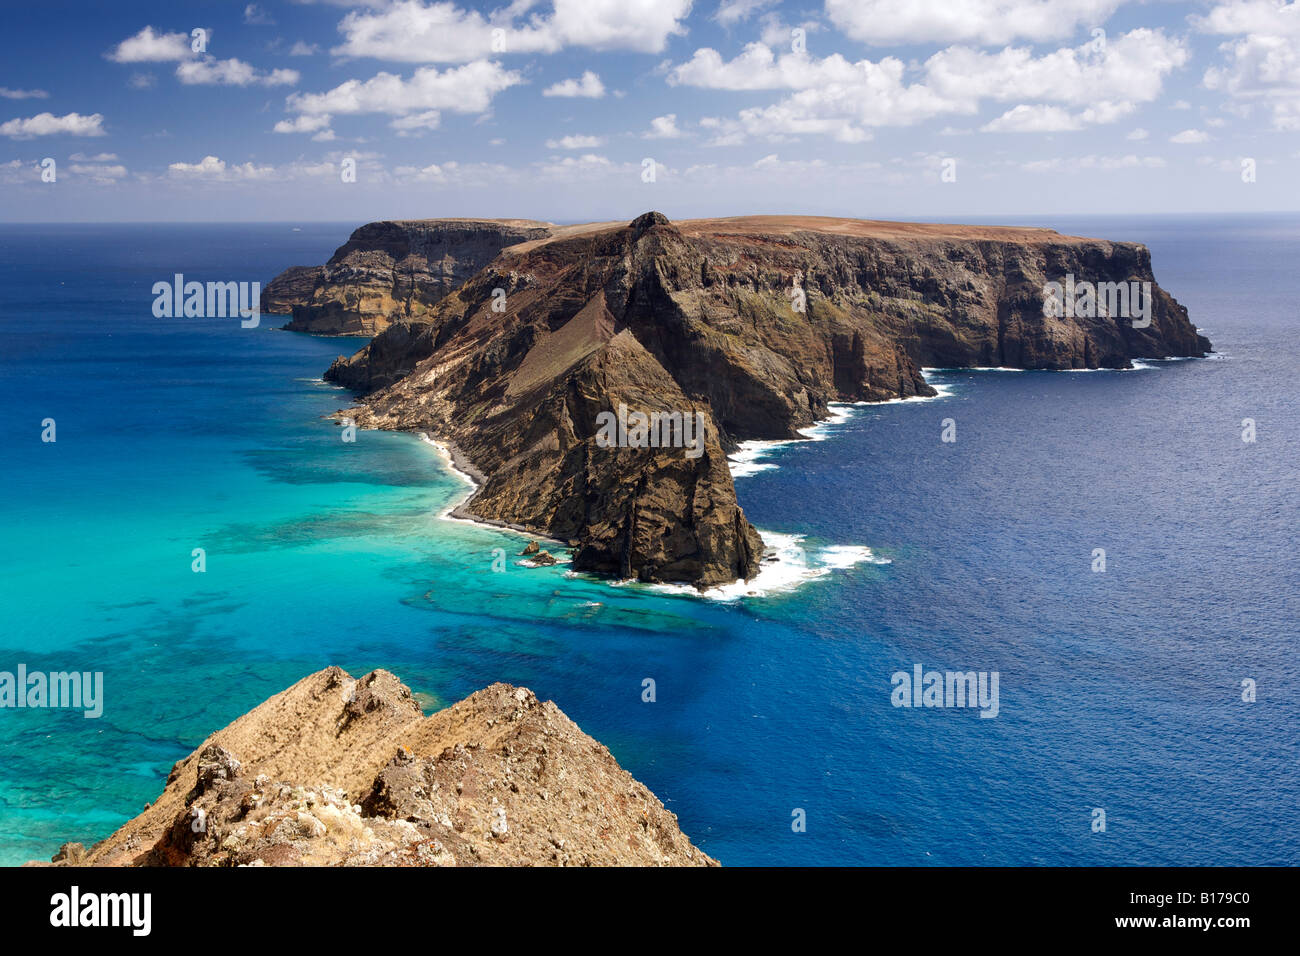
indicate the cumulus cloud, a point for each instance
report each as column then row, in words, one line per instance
column 99, row 174
column 465, row 89
column 212, row 169
column 442, row 32
column 306, row 123
column 150, row 47
column 47, row 124
column 836, row 97
column 731, row 12
column 575, row 142
column 232, row 72
column 989, row 22
column 1262, row 62
column 1033, row 119
column 588, row 85
column 571, row 167
column 1131, row 67
column 1189, row 136
column 664, row 127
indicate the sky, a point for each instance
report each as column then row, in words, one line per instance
column 576, row 110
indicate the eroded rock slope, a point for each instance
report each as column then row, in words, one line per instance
column 338, row 771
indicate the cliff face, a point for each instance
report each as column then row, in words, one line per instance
column 336, row 771
column 755, row 323
column 391, row 271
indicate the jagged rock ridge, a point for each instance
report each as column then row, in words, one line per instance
column 337, row 771
column 756, row 322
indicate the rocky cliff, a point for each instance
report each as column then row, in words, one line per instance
column 390, row 271
column 336, row 771
column 756, row 324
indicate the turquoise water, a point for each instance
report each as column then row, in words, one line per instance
column 1118, row 690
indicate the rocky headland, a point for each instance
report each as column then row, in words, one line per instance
column 389, row 272
column 336, row 771
column 750, row 326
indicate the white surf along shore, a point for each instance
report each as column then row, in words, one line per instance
column 786, row 564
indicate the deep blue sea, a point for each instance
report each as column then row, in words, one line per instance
column 1119, row 690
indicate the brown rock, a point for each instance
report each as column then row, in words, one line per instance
column 335, row 771
column 756, row 323
column 391, row 272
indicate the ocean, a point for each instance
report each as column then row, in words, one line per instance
column 1120, row 691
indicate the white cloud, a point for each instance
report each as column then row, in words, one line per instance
column 453, row 173
column 589, row 86
column 643, row 26
column 464, row 89
column 9, row 94
column 1251, row 16
column 1033, row 119
column 731, row 12
column 149, row 47
column 586, row 165
column 1137, row 134
column 305, row 123
column 212, row 169
column 97, row 158
column 842, row 99
column 47, row 124
column 442, row 32
column 1131, row 67
column 664, row 127
column 98, row 174
column 1263, row 61
column 142, row 81
column 575, row 142
column 991, row 22
column 304, row 49
column 232, row 72
column 1189, row 136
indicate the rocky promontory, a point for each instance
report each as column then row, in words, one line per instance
column 748, row 327
column 390, row 271
column 336, row 771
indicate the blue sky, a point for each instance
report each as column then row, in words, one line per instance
column 554, row 110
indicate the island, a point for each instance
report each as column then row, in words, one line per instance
column 562, row 365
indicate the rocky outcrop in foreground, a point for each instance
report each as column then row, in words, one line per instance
column 755, row 324
column 389, row 272
column 337, row 771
